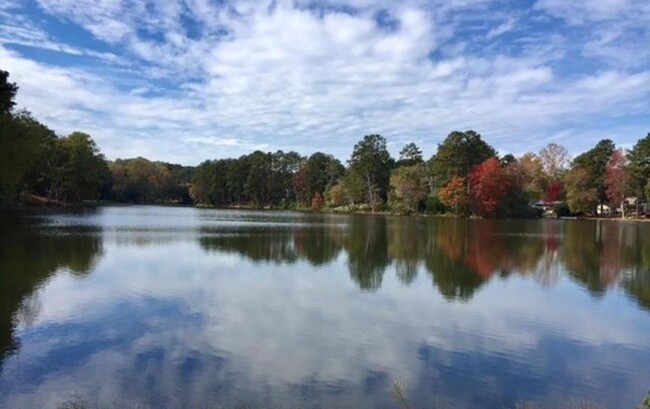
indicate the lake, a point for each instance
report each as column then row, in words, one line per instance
column 184, row 307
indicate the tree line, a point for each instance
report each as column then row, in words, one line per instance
column 37, row 163
column 466, row 176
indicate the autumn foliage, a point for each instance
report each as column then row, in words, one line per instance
column 464, row 176
column 554, row 192
column 454, row 194
column 489, row 186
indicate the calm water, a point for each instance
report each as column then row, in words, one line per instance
column 182, row 307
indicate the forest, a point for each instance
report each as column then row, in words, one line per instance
column 465, row 177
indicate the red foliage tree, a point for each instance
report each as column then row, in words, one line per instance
column 554, row 192
column 488, row 188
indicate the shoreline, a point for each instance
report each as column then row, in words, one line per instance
column 54, row 205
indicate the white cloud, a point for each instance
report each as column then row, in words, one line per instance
column 294, row 76
column 502, row 28
column 579, row 11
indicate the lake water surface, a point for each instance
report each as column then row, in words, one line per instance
column 185, row 307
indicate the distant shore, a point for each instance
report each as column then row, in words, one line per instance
column 31, row 201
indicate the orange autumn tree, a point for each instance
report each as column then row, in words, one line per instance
column 489, row 186
column 454, row 194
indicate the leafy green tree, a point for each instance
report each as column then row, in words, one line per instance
column 258, row 177
column 284, row 166
column 410, row 155
column 22, row 142
column 316, row 175
column 457, row 155
column 639, row 157
column 581, row 196
column 32, row 157
column 201, row 185
column 372, row 163
column 335, row 195
column 180, row 180
column 8, row 91
column 236, row 176
column 219, row 182
column 25, row 154
column 533, row 179
column 353, row 188
column 594, row 163
column 522, row 190
column 84, row 168
column 434, row 205
column 141, row 181
column 408, row 188
column 40, row 159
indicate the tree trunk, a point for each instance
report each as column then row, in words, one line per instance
column 371, row 194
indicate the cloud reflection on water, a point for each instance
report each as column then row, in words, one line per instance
column 273, row 314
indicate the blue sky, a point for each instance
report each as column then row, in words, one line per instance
column 189, row 80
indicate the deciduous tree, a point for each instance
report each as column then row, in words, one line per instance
column 408, row 188
column 26, row 154
column 521, row 180
column 639, row 157
column 457, row 155
column 140, row 180
column 581, row 196
column 454, row 195
column 531, row 173
column 488, row 188
column 617, row 180
column 554, row 192
column 85, row 169
column 336, row 195
column 316, row 174
column 594, row 163
column 284, row 166
column 372, row 163
column 555, row 161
